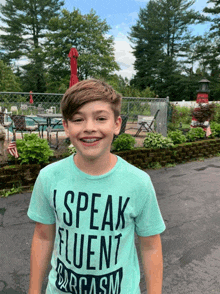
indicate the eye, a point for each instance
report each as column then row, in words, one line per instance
column 77, row 120
column 101, row 118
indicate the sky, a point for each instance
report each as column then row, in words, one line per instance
column 121, row 15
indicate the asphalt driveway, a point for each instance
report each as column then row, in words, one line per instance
column 189, row 198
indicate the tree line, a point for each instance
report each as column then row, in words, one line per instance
column 169, row 59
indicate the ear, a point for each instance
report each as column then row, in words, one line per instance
column 65, row 125
column 118, row 125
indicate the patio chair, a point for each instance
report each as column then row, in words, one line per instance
column 5, row 124
column 147, row 126
column 55, row 128
column 19, row 125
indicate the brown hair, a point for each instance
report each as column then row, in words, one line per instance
column 88, row 91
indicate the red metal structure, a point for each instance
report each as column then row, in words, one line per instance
column 73, row 55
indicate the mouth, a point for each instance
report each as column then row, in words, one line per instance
column 90, row 140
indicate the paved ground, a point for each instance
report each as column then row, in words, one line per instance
column 189, row 198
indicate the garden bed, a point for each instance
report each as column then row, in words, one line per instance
column 25, row 175
column 147, row 158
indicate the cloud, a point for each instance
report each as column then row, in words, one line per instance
column 2, row 2
column 123, row 50
column 124, row 56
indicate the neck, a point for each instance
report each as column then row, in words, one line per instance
column 96, row 167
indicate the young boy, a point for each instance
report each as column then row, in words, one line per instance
column 88, row 206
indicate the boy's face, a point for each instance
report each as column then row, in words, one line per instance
column 91, row 130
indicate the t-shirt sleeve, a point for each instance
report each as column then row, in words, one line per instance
column 149, row 221
column 40, row 207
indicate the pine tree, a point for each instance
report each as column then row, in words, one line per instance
column 215, row 12
column 159, row 39
column 212, row 49
column 147, row 35
column 8, row 80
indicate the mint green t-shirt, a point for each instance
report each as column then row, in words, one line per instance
column 96, row 218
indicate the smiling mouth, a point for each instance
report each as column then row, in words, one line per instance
column 90, row 140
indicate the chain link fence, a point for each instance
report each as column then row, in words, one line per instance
column 40, row 113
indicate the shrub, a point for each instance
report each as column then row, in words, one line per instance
column 215, row 128
column 123, row 142
column 195, row 134
column 177, row 137
column 216, row 117
column 184, row 114
column 156, row 140
column 171, row 127
column 33, row 149
column 179, row 114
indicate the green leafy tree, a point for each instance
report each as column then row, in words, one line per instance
column 117, row 82
column 9, row 82
column 25, row 23
column 122, row 85
column 88, row 34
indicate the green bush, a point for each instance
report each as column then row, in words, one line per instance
column 216, row 117
column 123, row 142
column 33, row 149
column 156, row 140
column 177, row 137
column 184, row 114
column 215, row 128
column 195, row 134
column 171, row 127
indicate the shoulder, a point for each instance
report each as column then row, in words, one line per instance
column 133, row 173
column 58, row 168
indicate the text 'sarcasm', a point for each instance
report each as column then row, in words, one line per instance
column 70, row 282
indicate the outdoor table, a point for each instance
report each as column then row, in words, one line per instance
column 49, row 117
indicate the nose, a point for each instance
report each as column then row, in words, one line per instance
column 90, row 126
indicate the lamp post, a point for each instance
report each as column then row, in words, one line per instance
column 203, row 92
column 202, row 100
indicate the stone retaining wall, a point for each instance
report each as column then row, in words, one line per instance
column 25, row 175
column 144, row 158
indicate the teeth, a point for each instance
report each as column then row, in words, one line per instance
column 90, row 140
